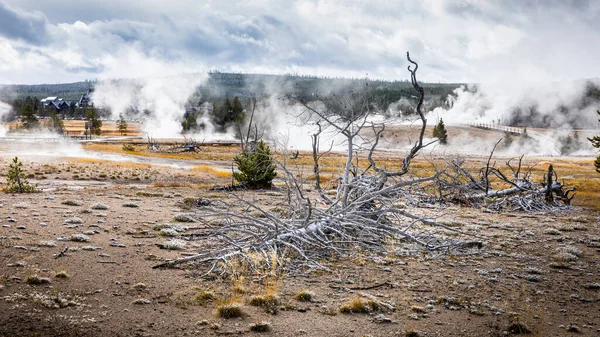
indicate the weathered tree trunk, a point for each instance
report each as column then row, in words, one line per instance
column 549, row 197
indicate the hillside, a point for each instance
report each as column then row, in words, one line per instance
column 221, row 85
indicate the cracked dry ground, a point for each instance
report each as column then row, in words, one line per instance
column 535, row 272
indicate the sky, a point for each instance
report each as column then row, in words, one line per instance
column 54, row 41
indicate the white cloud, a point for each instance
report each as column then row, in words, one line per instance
column 454, row 40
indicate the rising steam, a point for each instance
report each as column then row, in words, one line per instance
column 158, row 102
column 4, row 110
column 533, row 104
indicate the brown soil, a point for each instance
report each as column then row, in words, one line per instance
column 518, row 276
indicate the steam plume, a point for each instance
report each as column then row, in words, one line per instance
column 4, row 110
column 159, row 102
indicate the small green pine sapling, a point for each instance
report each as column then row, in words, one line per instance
column 257, row 167
column 16, row 182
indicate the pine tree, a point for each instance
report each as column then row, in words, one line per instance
column 122, row 124
column 56, row 124
column 440, row 132
column 257, row 167
column 72, row 109
column 95, row 122
column 28, row 117
column 237, row 110
column 16, row 182
column 596, row 143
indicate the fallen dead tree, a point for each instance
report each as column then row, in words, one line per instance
column 188, row 145
column 368, row 211
column 515, row 190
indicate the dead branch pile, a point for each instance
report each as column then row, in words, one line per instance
column 516, row 190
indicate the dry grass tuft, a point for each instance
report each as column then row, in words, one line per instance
column 264, row 300
column 230, row 310
column 304, row 296
column 358, row 305
column 202, row 297
column 36, row 280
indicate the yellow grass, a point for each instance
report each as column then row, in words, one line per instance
column 77, row 127
column 577, row 172
column 213, row 153
column 109, row 128
column 205, row 169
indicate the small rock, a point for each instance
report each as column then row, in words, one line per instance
column 72, row 202
column 184, row 218
column 80, row 238
column 21, row 227
column 99, row 206
column 382, row 319
column 74, row 220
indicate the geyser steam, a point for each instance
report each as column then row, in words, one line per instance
column 4, row 110
column 159, row 102
column 522, row 103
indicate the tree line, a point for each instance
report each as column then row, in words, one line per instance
column 29, row 111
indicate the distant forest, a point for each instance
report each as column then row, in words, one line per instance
column 222, row 85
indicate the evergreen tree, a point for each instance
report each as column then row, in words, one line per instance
column 257, row 167
column 222, row 115
column 596, row 143
column 29, row 100
column 439, row 131
column 28, row 117
column 189, row 122
column 56, row 124
column 122, row 124
column 72, row 109
column 237, row 110
column 94, row 120
column 16, row 182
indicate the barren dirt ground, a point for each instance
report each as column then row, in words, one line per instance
column 535, row 272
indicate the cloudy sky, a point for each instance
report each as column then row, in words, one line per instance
column 49, row 41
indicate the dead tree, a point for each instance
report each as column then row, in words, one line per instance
column 518, row 190
column 248, row 133
column 363, row 216
column 152, row 144
column 549, row 176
